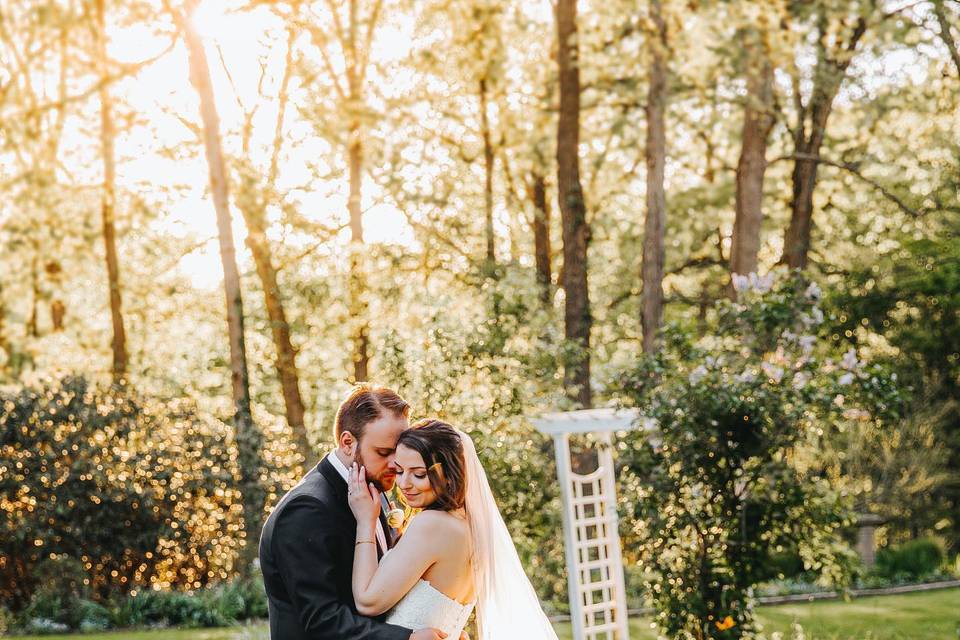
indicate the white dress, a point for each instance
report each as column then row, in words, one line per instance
column 424, row 606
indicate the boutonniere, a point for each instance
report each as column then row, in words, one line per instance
column 395, row 517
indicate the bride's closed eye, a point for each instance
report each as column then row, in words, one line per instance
column 419, row 475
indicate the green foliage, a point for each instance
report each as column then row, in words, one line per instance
column 56, row 609
column 913, row 560
column 110, row 492
column 63, row 598
column 906, row 306
column 730, row 478
column 6, row 620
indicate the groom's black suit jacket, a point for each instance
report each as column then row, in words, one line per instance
column 306, row 554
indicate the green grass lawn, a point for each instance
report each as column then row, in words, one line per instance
column 933, row 615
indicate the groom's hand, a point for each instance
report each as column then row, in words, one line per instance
column 428, row 634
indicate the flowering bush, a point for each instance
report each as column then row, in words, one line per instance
column 137, row 493
column 732, row 476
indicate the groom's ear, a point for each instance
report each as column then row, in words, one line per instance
column 348, row 444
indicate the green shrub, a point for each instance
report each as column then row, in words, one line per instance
column 93, row 616
column 731, row 478
column 784, row 565
column 44, row 627
column 6, row 620
column 169, row 609
column 913, row 560
column 129, row 471
column 214, row 607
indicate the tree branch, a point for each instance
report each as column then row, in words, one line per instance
column 855, row 171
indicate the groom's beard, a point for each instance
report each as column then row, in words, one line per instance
column 383, row 481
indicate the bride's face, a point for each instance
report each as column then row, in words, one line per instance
column 412, row 478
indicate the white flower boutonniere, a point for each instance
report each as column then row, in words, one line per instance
column 395, row 518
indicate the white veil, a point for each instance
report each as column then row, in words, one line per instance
column 507, row 606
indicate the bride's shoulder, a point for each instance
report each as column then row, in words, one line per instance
column 446, row 523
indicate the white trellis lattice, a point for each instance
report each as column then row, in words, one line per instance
column 598, row 606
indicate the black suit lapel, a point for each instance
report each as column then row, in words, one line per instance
column 327, row 470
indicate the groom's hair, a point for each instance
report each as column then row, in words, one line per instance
column 365, row 404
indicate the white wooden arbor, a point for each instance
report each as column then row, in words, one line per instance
column 598, row 603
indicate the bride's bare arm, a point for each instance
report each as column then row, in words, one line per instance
column 376, row 588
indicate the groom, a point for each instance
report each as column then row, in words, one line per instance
column 306, row 548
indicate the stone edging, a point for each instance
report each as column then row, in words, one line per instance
column 822, row 595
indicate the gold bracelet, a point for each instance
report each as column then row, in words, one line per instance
column 362, row 541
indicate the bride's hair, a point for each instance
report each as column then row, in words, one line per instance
column 441, row 448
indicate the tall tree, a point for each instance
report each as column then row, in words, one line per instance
column 488, row 168
column 248, row 437
column 834, row 53
column 255, row 193
column 573, row 209
column 352, row 36
column 537, row 193
column 758, row 120
column 656, row 151
column 109, row 197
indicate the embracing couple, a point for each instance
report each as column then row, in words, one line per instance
column 334, row 568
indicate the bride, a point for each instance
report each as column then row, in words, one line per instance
column 456, row 554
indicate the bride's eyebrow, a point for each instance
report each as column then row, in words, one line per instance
column 411, row 468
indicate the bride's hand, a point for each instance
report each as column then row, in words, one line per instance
column 363, row 497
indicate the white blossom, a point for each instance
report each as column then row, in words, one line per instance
column 800, row 380
column 813, row 291
column 773, row 372
column 850, row 361
column 741, row 282
column 762, row 284
column 697, row 374
column 845, row 379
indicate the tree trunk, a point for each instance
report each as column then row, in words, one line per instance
column 573, row 211
column 946, row 34
column 758, row 119
column 537, row 188
column 6, row 347
column 828, row 76
column 33, row 329
column 488, row 160
column 286, row 362
column 254, row 214
column 108, row 196
column 358, row 305
column 248, row 437
column 58, row 313
column 796, row 240
column 656, row 219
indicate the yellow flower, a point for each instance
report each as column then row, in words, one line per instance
column 395, row 518
column 726, row 623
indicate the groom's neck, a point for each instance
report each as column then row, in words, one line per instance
column 344, row 460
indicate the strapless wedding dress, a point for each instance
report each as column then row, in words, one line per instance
column 424, row 606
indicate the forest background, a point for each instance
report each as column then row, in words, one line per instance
column 495, row 207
